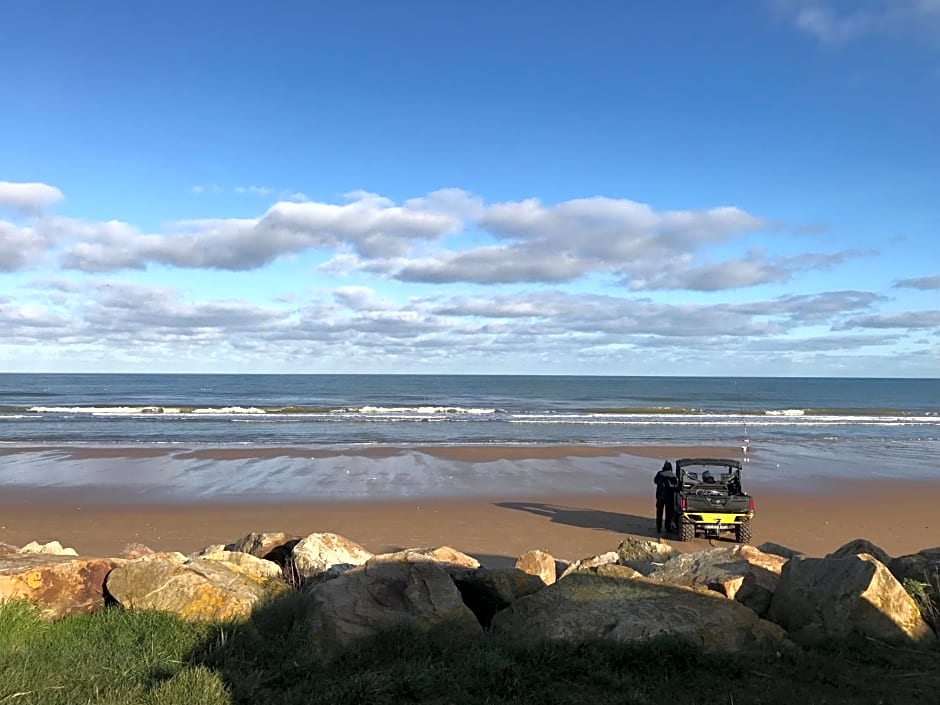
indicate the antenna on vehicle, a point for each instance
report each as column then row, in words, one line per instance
column 746, row 440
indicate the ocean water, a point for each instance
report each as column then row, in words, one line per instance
column 793, row 427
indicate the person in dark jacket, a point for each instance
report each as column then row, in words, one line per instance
column 666, row 485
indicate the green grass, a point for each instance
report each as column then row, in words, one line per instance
column 129, row 658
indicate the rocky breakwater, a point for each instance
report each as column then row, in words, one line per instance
column 735, row 598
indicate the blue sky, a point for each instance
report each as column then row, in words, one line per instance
column 593, row 188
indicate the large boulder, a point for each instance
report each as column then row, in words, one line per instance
column 741, row 573
column 135, row 550
column 644, row 556
column 202, row 590
column 52, row 548
column 823, row 598
column 453, row 562
column 779, row 550
column 486, row 591
column 383, row 593
column 585, row 564
column 586, row 606
column 59, row 585
column 540, row 564
column 271, row 545
column 857, row 547
column 258, row 569
column 326, row 553
column 922, row 567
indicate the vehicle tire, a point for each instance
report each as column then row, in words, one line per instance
column 686, row 530
column 742, row 532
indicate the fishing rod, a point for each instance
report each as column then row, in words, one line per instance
column 747, row 441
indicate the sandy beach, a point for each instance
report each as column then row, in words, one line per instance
column 899, row 516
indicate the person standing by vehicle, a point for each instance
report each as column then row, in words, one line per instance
column 666, row 484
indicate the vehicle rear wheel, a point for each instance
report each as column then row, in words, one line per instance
column 686, row 530
column 742, row 532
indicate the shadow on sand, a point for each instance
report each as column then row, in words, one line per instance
column 587, row 518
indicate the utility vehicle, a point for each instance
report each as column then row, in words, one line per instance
column 710, row 499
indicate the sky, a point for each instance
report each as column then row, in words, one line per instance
column 597, row 188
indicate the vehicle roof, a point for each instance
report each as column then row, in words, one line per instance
column 717, row 462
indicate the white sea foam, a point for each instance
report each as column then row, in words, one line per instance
column 785, row 412
column 229, row 410
column 426, row 410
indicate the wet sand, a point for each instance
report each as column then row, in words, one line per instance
column 900, row 517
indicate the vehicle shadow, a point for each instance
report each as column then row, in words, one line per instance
column 586, row 518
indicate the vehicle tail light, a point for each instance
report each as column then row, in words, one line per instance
column 750, row 504
column 685, row 504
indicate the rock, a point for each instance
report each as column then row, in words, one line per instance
column 8, row 549
column 587, row 606
column 452, row 561
column 632, row 549
column 778, row 550
column 257, row 569
column 822, row 598
column 923, row 567
column 858, row 547
column 620, row 572
column 487, row 591
column 327, row 553
column 211, row 548
column 741, row 573
column 644, row 556
column 381, row 594
column 592, row 562
column 538, row 563
column 59, row 585
column 52, row 548
column 263, row 545
column 133, row 551
column 197, row 590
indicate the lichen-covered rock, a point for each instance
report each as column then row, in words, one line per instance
column 822, row 598
column 741, row 572
column 634, row 550
column 382, row 593
column 59, row 585
column 645, row 556
column 52, row 548
column 857, row 547
column 486, row 591
column 327, row 553
column 779, row 550
column 611, row 557
column 540, row 564
column 264, row 544
column 257, row 569
column 586, row 606
column 197, row 590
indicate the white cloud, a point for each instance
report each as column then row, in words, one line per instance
column 254, row 190
column 28, row 197
column 926, row 283
column 20, row 246
column 834, row 23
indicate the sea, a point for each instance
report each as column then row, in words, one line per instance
column 788, row 429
